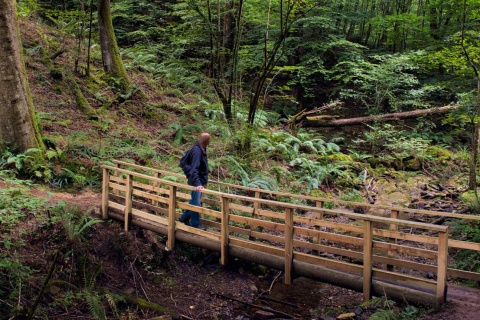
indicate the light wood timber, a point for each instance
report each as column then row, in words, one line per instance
column 105, row 183
column 367, row 260
column 224, row 231
column 172, row 200
column 288, row 245
column 241, row 208
column 442, row 267
column 200, row 210
column 429, row 254
column 392, row 227
column 155, row 198
column 128, row 201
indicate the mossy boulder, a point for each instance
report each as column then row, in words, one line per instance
column 439, row 153
column 340, row 157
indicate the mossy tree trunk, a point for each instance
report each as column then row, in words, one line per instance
column 18, row 124
column 112, row 60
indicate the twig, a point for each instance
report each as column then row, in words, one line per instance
column 279, row 301
column 370, row 199
column 273, row 282
column 279, row 313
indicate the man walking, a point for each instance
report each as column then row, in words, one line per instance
column 197, row 175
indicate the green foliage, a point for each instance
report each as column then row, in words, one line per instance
column 388, row 310
column 313, row 173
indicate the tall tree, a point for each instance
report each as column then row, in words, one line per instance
column 112, row 60
column 18, row 126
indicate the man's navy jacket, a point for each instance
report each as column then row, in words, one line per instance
column 198, row 173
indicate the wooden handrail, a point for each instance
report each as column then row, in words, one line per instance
column 130, row 188
column 311, row 198
column 357, row 216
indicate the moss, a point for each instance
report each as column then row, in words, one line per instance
column 340, row 157
column 439, row 153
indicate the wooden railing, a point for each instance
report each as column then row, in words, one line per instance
column 374, row 251
column 393, row 212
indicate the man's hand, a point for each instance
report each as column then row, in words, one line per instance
column 198, row 188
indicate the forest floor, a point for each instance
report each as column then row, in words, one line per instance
column 190, row 283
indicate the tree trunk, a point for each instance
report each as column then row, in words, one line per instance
column 18, row 126
column 112, row 61
column 326, row 121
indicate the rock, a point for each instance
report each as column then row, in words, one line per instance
column 358, row 311
column 260, row 314
column 350, row 315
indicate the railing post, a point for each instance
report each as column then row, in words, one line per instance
column 172, row 213
column 256, row 207
column 128, row 200
column 224, row 230
column 156, row 184
column 318, row 216
column 442, row 266
column 367, row 259
column 116, row 174
column 392, row 227
column 288, row 245
column 106, row 180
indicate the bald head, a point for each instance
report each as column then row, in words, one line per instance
column 204, row 139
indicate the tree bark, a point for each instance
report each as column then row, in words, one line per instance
column 18, row 126
column 112, row 61
column 327, row 121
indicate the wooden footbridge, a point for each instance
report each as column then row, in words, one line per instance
column 378, row 253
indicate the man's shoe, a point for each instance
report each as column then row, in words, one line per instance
column 185, row 221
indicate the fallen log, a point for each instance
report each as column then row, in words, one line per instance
column 322, row 121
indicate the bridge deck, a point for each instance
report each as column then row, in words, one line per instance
column 364, row 252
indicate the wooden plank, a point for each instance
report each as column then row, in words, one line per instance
column 128, row 202
column 155, row 199
column 156, row 184
column 463, row 274
column 105, row 194
column 224, row 231
column 367, row 260
column 116, row 206
column 271, row 214
column 463, row 245
column 148, row 216
column 239, row 207
column 328, row 263
column 405, row 236
column 328, row 224
column 172, row 210
column 116, row 187
column 416, row 252
column 256, row 207
column 442, row 267
column 288, row 246
column 404, row 279
column 200, row 210
column 267, row 237
column 392, row 227
column 328, row 236
column 198, row 232
column 257, row 246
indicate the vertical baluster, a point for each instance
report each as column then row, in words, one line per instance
column 442, row 266
column 288, row 245
column 367, row 260
column 106, row 180
column 224, row 230
column 128, row 201
column 172, row 212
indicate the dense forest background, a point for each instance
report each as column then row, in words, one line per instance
column 271, row 81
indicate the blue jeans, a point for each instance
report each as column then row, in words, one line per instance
column 191, row 217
